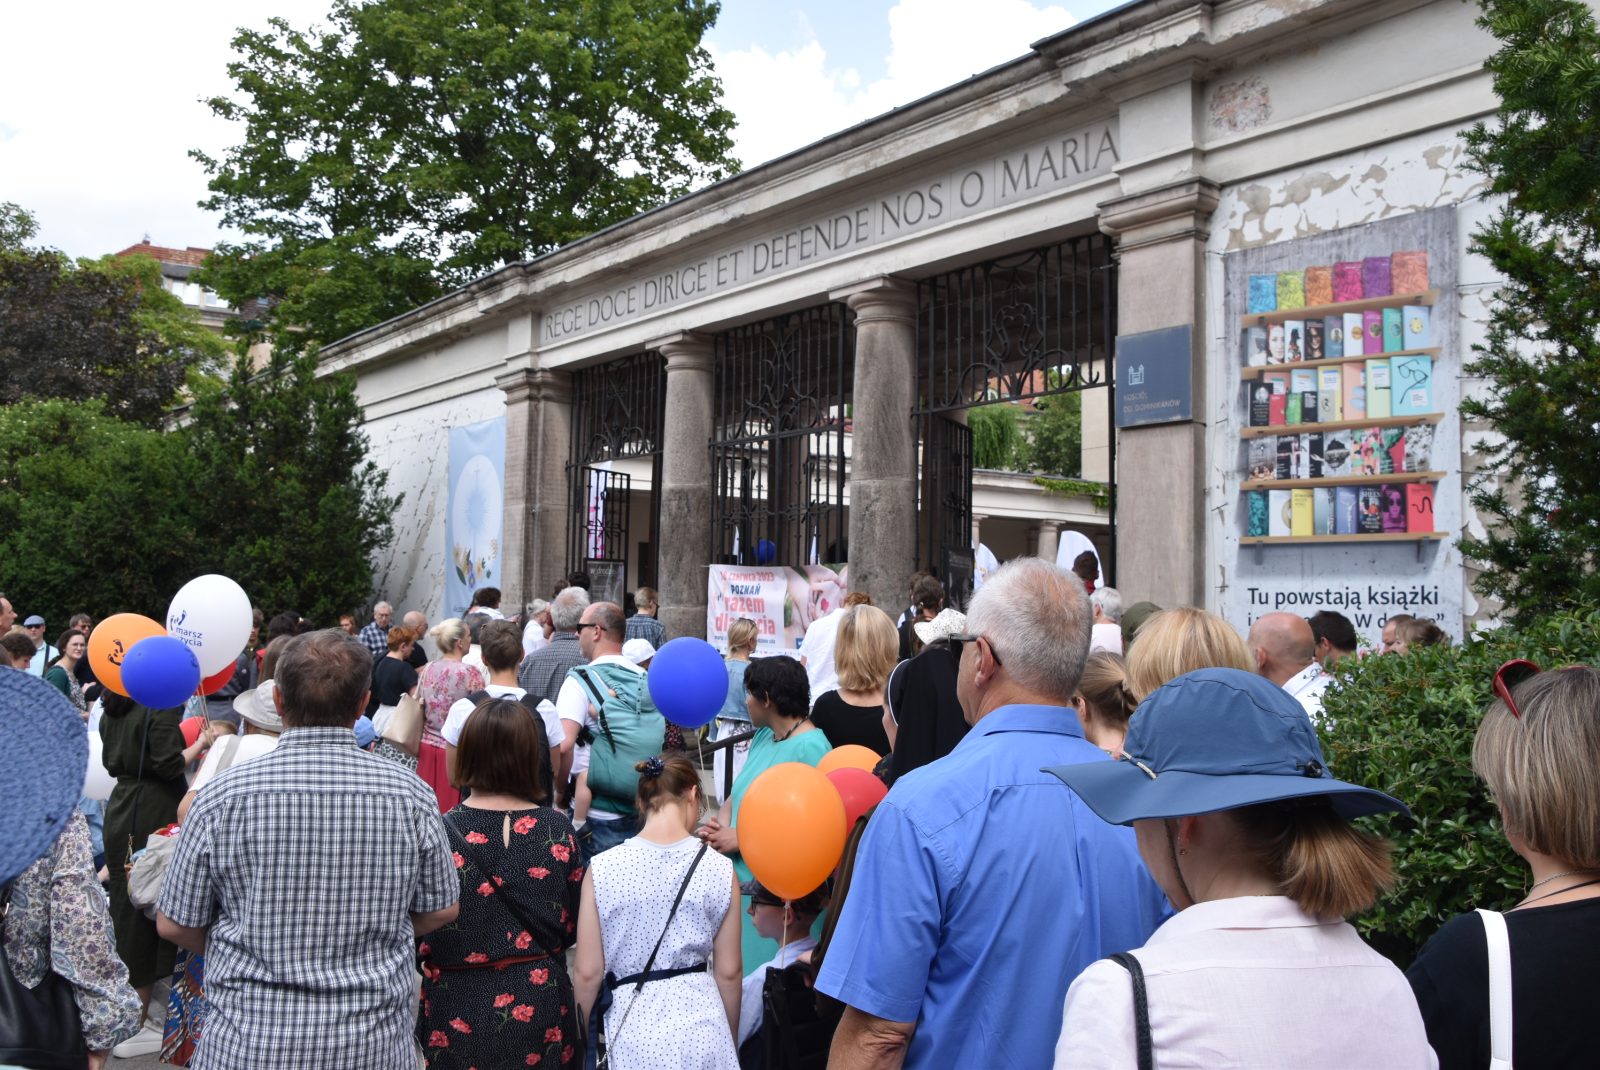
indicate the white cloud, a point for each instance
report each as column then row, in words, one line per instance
column 788, row 99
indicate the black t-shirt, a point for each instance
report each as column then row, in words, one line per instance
column 391, row 678
column 1555, row 986
column 844, row 724
column 418, row 657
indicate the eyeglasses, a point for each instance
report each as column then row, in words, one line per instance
column 1514, row 672
column 590, row 624
column 959, row 641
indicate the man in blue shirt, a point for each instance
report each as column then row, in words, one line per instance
column 980, row 888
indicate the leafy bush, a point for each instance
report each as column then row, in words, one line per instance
column 1405, row 725
column 997, row 441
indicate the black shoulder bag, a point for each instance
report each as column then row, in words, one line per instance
column 39, row 1027
column 1141, row 1009
column 602, row 1004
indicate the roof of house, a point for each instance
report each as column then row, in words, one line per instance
column 193, row 256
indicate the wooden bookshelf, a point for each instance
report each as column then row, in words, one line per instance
column 1329, row 362
column 1339, row 308
column 1339, row 425
column 1388, row 536
column 1342, row 481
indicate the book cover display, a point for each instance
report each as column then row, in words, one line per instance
column 1256, row 506
column 1412, row 385
column 1393, row 497
column 1419, row 507
column 1378, row 392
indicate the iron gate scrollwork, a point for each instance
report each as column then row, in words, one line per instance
column 617, row 413
column 947, row 462
column 780, row 416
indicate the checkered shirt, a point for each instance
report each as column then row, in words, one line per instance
column 375, row 639
column 542, row 672
column 643, row 627
column 306, row 864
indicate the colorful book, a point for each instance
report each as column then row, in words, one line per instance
column 1345, row 516
column 1393, row 496
column 1319, row 285
column 1263, row 293
column 1347, row 281
column 1301, row 511
column 1419, row 507
column 1355, row 391
column 1259, row 403
column 1378, row 394
column 1354, row 333
column 1418, row 326
column 1413, row 385
column 1292, row 416
column 1261, row 458
column 1372, row 332
column 1275, row 343
column 1369, row 511
column 1394, row 330
column 1278, row 403
column 1336, row 453
column 1375, row 280
column 1255, row 508
column 1308, row 406
column 1283, row 466
column 1291, row 290
column 1408, row 272
column 1313, row 454
column 1255, row 347
column 1278, row 520
column 1333, row 335
column 1419, row 448
column 1322, row 511
column 1393, row 458
column 1316, row 347
column 1369, row 449
column 1294, row 341
column 1330, row 395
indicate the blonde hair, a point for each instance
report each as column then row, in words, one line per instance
column 1176, row 641
column 1104, row 687
column 867, row 648
column 1330, row 868
column 1419, row 631
column 1541, row 768
column 742, row 635
column 449, row 635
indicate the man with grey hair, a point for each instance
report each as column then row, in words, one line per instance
column 375, row 636
column 417, row 622
column 980, row 890
column 1107, row 634
column 536, row 633
column 1285, row 650
column 541, row 672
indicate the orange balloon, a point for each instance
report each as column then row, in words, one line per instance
column 849, row 756
column 110, row 642
column 791, row 829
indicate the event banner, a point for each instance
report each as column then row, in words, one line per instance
column 472, row 525
column 782, row 601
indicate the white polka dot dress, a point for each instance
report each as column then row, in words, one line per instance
column 679, row 1023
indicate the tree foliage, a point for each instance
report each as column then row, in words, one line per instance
column 1541, row 358
column 92, row 328
column 1055, row 435
column 997, row 441
column 406, row 146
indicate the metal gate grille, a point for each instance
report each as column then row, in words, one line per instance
column 780, row 415
column 946, row 526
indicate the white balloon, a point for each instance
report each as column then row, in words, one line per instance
column 212, row 615
column 99, row 783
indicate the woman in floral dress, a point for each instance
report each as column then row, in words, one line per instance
column 441, row 684
column 495, row 990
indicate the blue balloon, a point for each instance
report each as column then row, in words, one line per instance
column 160, row 672
column 766, row 552
column 688, row 681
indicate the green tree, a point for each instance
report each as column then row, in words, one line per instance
column 97, row 514
column 997, row 441
column 1055, row 435
column 293, row 508
column 1540, row 488
column 407, row 146
column 93, row 328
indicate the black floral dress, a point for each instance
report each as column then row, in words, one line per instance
column 495, row 993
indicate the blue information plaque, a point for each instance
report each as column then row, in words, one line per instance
column 1155, row 382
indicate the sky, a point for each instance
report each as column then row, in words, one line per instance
column 100, row 102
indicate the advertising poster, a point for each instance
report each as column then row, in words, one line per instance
column 782, row 601
column 473, row 518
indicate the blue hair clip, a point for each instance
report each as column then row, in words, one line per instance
column 653, row 767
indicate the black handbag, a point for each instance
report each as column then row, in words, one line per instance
column 39, row 1027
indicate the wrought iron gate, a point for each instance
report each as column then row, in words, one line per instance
column 780, row 415
column 947, row 505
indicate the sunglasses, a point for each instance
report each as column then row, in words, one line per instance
column 957, row 642
column 1514, row 672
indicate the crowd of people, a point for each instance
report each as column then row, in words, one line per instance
column 1110, row 839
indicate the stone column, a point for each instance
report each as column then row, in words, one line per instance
column 685, row 483
column 538, row 438
column 1049, row 538
column 1161, row 469
column 883, row 455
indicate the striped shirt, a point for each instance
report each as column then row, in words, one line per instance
column 306, row 864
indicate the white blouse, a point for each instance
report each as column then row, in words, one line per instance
column 1253, row 982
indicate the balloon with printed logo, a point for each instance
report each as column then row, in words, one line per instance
column 110, row 642
column 859, row 790
column 218, row 680
column 212, row 615
column 791, row 829
column 688, row 681
column 160, row 672
column 849, row 756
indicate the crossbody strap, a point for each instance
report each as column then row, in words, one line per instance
column 599, row 702
column 1495, row 935
column 1141, row 1009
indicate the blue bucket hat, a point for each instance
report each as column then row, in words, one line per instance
column 1210, row 740
column 44, row 759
